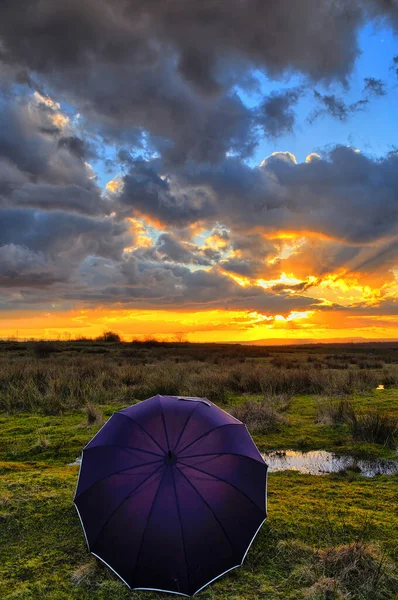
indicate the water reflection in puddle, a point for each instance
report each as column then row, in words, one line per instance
column 320, row 462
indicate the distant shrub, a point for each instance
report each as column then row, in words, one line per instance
column 375, row 428
column 44, row 349
column 148, row 343
column 261, row 416
column 283, row 363
column 208, row 383
column 389, row 379
column 371, row 427
column 335, row 412
column 109, row 336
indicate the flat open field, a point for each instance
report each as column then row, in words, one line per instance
column 327, row 537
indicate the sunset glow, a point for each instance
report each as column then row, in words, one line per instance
column 199, row 185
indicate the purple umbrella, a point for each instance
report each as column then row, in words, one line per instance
column 171, row 494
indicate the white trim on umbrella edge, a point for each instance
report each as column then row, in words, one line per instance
column 169, row 591
column 236, row 566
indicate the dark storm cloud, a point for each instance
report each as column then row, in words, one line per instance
column 173, row 250
column 384, row 9
column 54, row 233
column 374, row 86
column 244, row 268
column 394, row 66
column 145, row 191
column 169, row 67
column 41, row 168
column 74, row 144
column 44, row 247
column 21, row 266
column 141, row 283
column 336, row 107
column 159, row 77
column 276, row 115
column 69, row 198
column 345, row 195
column 200, row 35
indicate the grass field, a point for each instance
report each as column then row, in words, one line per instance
column 326, row 537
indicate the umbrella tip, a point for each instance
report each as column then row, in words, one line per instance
column 171, row 458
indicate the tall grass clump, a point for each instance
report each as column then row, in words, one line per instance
column 94, row 414
column 375, row 428
column 372, row 426
column 357, row 570
column 258, row 379
column 44, row 349
column 262, row 416
column 332, row 412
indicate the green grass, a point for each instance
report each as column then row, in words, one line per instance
column 43, row 554
column 303, row 432
column 43, row 545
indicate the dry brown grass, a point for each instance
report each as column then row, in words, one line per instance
column 75, row 373
column 262, row 416
column 356, row 570
column 372, row 426
column 335, row 412
column 325, row 588
column 94, row 414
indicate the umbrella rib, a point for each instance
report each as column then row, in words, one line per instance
column 182, row 532
column 144, row 430
column 122, row 502
column 117, row 473
column 222, row 480
column 147, row 523
column 124, row 448
column 210, row 508
column 164, row 425
column 185, row 425
column 261, row 462
column 208, row 433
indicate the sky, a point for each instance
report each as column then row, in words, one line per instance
column 201, row 171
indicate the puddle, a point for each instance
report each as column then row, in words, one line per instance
column 320, row 462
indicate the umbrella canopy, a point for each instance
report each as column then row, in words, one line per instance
column 171, row 493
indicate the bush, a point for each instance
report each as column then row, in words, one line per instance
column 335, row 413
column 371, row 427
column 44, row 349
column 375, row 428
column 389, row 379
column 109, row 336
column 263, row 416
